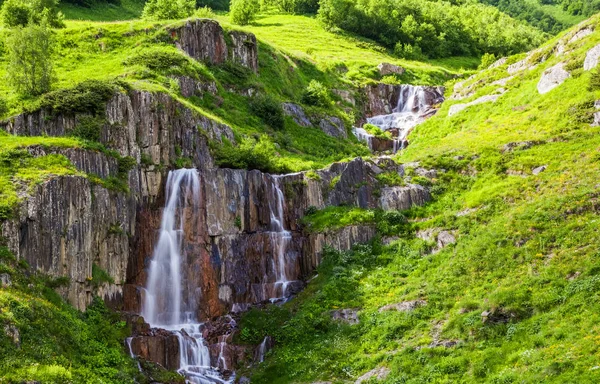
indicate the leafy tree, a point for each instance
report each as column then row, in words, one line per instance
column 243, row 12
column 486, row 60
column 29, row 52
column 168, row 9
column 20, row 12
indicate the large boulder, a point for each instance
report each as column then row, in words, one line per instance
column 591, row 58
column 386, row 69
column 552, row 78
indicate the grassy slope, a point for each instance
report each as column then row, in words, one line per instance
column 527, row 251
column 127, row 10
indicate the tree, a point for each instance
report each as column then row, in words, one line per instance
column 29, row 52
column 243, row 12
column 168, row 9
column 17, row 13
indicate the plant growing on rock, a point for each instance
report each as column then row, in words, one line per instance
column 269, row 110
column 377, row 132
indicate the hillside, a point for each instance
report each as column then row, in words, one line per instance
column 495, row 281
column 189, row 202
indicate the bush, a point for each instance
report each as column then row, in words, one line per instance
column 251, row 154
column 88, row 97
column 486, row 60
column 243, row 12
column 316, row 94
column 377, row 132
column 17, row 13
column 269, row 110
column 30, row 49
column 205, row 13
column 168, row 9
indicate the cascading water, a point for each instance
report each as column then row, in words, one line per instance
column 280, row 239
column 413, row 107
column 166, row 304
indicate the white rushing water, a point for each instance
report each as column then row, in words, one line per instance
column 164, row 305
column 280, row 238
column 411, row 110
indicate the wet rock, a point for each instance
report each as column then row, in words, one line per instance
column 386, row 69
column 261, row 350
column 5, row 280
column 381, row 99
column 405, row 306
column 591, row 58
column 380, row 373
column 297, row 113
column 552, row 78
column 538, row 170
column 456, row 108
column 333, row 126
column 348, row 316
column 13, row 334
column 159, row 346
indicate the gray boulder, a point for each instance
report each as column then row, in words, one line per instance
column 552, row 78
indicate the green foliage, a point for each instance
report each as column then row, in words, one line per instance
column 594, row 84
column 168, row 9
column 436, row 28
column 243, row 12
column 377, row 132
column 269, row 110
column 250, row 154
column 316, row 94
column 18, row 13
column 100, row 276
column 486, row 60
column 332, row 217
column 30, row 64
column 530, row 11
column 88, row 97
column 205, row 13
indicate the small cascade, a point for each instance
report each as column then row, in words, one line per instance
column 131, row 354
column 262, row 350
column 280, row 238
column 168, row 303
column 415, row 105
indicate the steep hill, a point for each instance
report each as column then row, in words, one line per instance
column 496, row 280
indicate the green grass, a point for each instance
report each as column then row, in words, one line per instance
column 100, row 11
column 526, row 251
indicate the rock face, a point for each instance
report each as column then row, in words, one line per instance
column 386, row 69
column 204, row 40
column 381, row 99
column 552, row 78
column 330, row 125
column 456, row 108
column 591, row 58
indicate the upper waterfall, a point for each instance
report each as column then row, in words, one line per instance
column 414, row 104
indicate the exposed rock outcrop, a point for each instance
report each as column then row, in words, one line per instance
column 552, row 78
column 591, row 58
column 456, row 108
column 386, row 69
column 204, row 40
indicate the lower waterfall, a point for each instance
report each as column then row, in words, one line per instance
column 168, row 303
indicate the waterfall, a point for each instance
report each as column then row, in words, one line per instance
column 413, row 107
column 165, row 304
column 262, row 350
column 280, row 238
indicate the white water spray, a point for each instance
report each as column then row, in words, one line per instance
column 280, row 238
column 164, row 305
column 412, row 109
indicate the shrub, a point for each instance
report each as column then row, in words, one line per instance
column 269, row 110
column 594, row 84
column 158, row 59
column 3, row 107
column 486, row 60
column 243, row 12
column 205, row 13
column 30, row 49
column 89, row 97
column 168, row 9
column 377, row 132
column 316, row 94
column 250, row 154
column 17, row 13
